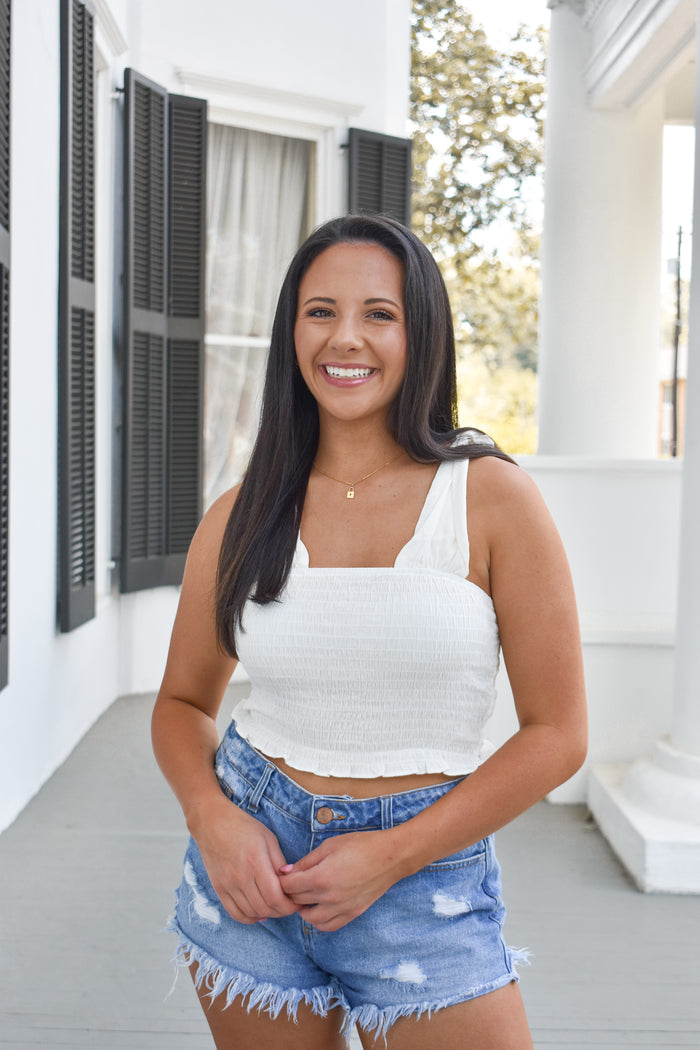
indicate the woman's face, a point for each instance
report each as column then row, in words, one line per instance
column 350, row 331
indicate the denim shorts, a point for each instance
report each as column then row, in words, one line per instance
column 432, row 940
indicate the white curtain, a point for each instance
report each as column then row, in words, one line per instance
column 257, row 204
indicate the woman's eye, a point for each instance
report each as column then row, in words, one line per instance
column 319, row 311
column 381, row 315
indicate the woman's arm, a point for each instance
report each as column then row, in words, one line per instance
column 533, row 596
column 185, row 741
column 524, row 564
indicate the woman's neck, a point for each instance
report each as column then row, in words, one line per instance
column 354, row 448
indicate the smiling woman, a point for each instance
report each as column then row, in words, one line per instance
column 341, row 869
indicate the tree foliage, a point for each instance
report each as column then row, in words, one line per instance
column 476, row 112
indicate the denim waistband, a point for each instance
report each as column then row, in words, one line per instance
column 330, row 813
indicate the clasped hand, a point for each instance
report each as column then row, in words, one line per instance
column 341, row 878
column 328, row 887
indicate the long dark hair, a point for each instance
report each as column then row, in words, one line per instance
column 261, row 533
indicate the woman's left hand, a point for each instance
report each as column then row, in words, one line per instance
column 339, row 879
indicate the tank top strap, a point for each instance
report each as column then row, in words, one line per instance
column 440, row 540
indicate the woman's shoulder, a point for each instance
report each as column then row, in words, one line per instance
column 221, row 508
column 206, row 542
column 501, row 484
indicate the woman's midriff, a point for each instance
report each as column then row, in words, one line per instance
column 358, row 787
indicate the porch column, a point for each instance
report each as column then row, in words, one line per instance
column 650, row 811
column 601, row 250
column 685, row 731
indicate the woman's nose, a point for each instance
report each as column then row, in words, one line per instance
column 347, row 335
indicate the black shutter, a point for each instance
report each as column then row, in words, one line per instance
column 379, row 174
column 4, row 327
column 163, row 331
column 76, row 320
column 187, row 197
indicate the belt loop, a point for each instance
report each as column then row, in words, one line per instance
column 254, row 800
column 387, row 815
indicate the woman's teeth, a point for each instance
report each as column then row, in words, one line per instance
column 347, row 373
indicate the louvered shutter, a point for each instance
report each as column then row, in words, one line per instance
column 187, row 199
column 379, row 174
column 76, row 319
column 4, row 327
column 164, row 204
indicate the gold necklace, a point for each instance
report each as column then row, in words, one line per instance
column 350, row 485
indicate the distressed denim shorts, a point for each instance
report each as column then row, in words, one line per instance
column 433, row 939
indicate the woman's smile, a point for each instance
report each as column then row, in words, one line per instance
column 339, row 375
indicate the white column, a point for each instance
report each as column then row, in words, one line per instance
column 650, row 811
column 685, row 733
column 601, row 250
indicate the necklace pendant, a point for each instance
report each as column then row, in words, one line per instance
column 350, row 494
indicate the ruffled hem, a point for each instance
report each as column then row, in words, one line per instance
column 349, row 764
column 218, row 979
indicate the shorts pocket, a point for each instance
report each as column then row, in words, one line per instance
column 234, row 786
column 463, row 858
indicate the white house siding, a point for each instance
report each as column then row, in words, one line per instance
column 306, row 69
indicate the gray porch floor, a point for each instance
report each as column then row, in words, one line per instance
column 87, row 873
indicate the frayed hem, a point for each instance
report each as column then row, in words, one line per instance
column 377, row 1020
column 217, row 979
column 519, row 957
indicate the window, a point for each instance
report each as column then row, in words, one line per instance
column 163, row 330
column 257, row 217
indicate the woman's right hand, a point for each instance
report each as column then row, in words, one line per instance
column 242, row 858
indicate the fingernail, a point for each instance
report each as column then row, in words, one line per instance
column 286, row 868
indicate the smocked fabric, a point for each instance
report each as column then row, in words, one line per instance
column 365, row 672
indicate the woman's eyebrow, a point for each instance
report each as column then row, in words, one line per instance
column 368, row 302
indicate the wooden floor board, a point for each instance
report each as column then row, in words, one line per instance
column 89, row 868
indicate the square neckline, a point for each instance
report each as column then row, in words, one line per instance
column 431, row 497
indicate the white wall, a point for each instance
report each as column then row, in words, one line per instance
column 347, row 66
column 355, row 53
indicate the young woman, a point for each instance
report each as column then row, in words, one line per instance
column 341, row 867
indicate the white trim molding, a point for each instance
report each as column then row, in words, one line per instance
column 647, row 636
column 636, row 47
column 577, row 6
column 592, row 9
column 109, row 28
column 256, row 102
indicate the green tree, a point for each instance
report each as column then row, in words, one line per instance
column 476, row 112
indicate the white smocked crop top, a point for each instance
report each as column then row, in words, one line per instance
column 365, row 672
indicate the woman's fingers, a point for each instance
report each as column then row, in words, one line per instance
column 243, row 866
